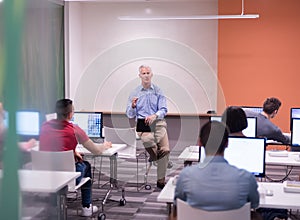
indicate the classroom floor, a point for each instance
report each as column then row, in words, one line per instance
column 140, row 205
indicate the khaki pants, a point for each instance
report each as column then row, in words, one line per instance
column 157, row 145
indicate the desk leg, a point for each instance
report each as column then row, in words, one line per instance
column 112, row 178
column 61, row 203
column 169, row 208
column 113, row 170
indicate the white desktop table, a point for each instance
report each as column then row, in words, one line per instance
column 191, row 154
column 112, row 154
column 55, row 182
column 289, row 161
column 280, row 199
column 292, row 159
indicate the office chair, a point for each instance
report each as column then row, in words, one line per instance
column 128, row 136
column 185, row 211
column 57, row 161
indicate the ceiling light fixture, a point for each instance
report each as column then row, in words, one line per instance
column 195, row 17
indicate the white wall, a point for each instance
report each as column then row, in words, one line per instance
column 105, row 53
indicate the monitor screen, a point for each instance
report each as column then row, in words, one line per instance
column 90, row 122
column 28, row 123
column 252, row 108
column 250, row 131
column 294, row 113
column 216, row 118
column 247, row 153
column 295, row 132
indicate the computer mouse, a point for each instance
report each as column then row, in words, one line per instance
column 269, row 192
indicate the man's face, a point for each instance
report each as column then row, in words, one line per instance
column 145, row 75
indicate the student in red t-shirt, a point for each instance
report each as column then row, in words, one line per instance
column 62, row 135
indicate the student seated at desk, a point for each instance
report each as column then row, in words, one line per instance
column 214, row 184
column 62, row 135
column 235, row 119
column 265, row 128
column 23, row 146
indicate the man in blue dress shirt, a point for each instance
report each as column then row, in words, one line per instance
column 147, row 104
column 215, row 185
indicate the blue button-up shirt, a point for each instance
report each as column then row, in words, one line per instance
column 215, row 185
column 150, row 101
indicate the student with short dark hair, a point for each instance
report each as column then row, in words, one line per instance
column 266, row 128
column 215, row 185
column 62, row 135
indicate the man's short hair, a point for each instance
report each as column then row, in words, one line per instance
column 214, row 137
column 271, row 104
column 145, row 66
column 63, row 107
column 235, row 118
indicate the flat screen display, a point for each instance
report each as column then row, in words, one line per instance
column 28, row 123
column 247, row 153
column 294, row 113
column 251, row 129
column 295, row 132
column 90, row 122
column 252, row 108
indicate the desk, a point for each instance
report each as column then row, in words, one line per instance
column 292, row 159
column 190, row 155
column 112, row 153
column 48, row 182
column 167, row 194
column 280, row 199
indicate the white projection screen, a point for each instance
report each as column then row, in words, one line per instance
column 105, row 53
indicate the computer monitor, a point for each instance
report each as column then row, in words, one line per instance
column 28, row 124
column 295, row 134
column 247, row 153
column 90, row 122
column 216, row 118
column 252, row 108
column 251, row 129
column 294, row 113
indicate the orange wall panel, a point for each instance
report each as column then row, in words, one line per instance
column 260, row 58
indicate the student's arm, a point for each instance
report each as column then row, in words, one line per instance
column 96, row 148
column 279, row 136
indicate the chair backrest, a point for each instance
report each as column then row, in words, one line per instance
column 122, row 136
column 185, row 211
column 54, row 161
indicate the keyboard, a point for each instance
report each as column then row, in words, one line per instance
column 280, row 153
